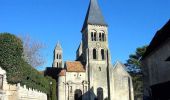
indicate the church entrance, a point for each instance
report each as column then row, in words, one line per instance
column 99, row 94
column 78, row 94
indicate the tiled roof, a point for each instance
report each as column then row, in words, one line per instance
column 75, row 66
column 62, row 73
column 94, row 15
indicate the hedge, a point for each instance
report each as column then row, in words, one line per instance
column 19, row 71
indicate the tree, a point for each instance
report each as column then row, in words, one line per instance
column 134, row 67
column 133, row 63
column 32, row 51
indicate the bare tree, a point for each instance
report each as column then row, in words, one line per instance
column 32, row 51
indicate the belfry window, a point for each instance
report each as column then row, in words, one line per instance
column 94, row 54
column 99, row 93
column 60, row 57
column 57, row 56
column 103, row 37
column 95, row 36
column 100, row 37
column 92, row 37
column 102, row 54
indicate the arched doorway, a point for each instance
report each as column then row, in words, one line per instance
column 78, row 94
column 99, row 93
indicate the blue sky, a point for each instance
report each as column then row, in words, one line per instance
column 132, row 23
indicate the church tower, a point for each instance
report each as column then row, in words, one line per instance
column 57, row 63
column 95, row 50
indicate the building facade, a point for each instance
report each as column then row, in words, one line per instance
column 92, row 76
column 156, row 66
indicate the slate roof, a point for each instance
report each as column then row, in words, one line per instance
column 58, row 46
column 160, row 37
column 94, row 15
column 75, row 66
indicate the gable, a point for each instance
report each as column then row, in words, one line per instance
column 119, row 68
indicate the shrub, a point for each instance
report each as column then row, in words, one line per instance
column 19, row 71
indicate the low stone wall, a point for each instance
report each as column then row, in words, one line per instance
column 18, row 92
column 29, row 94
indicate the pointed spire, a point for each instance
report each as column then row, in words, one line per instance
column 58, row 46
column 94, row 15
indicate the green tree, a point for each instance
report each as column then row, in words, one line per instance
column 134, row 67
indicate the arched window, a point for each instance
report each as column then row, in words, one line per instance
column 95, row 36
column 57, row 56
column 100, row 37
column 60, row 57
column 103, row 37
column 94, row 54
column 78, row 94
column 102, row 54
column 99, row 93
column 92, row 37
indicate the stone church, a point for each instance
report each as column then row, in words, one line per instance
column 92, row 76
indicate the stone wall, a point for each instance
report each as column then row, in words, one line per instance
column 17, row 92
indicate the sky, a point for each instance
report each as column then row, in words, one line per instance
column 132, row 23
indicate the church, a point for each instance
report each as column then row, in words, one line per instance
column 92, row 76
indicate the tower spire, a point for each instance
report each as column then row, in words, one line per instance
column 94, row 15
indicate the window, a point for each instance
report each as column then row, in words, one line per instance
column 95, row 36
column 100, row 69
column 102, row 54
column 71, row 89
column 100, row 37
column 103, row 37
column 1, row 81
column 92, row 38
column 60, row 56
column 94, row 54
column 99, row 93
column 57, row 56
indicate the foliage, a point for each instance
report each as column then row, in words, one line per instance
column 134, row 67
column 134, row 63
column 32, row 51
column 19, row 71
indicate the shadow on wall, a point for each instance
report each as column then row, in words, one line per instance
column 90, row 95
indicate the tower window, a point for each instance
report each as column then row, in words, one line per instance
column 100, row 69
column 94, row 54
column 92, row 38
column 103, row 37
column 60, row 57
column 95, row 36
column 100, row 37
column 102, row 54
column 57, row 56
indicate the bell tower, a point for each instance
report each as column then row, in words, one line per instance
column 58, row 63
column 95, row 50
